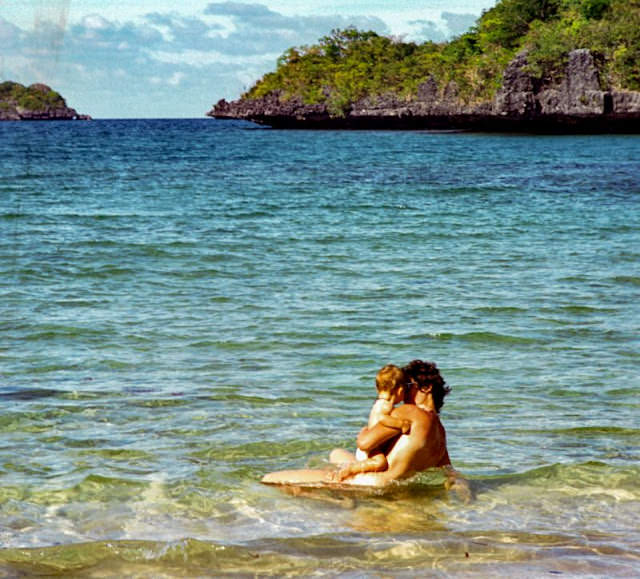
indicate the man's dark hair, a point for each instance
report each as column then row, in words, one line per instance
column 426, row 374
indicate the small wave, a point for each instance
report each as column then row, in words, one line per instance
column 620, row 392
column 135, row 558
column 13, row 216
column 118, row 454
column 52, row 332
column 175, row 400
column 591, row 474
column 478, row 337
column 232, row 397
column 203, row 344
column 105, row 271
column 30, row 394
column 575, row 309
column 501, row 309
column 77, row 303
column 590, row 331
column 629, row 279
column 111, row 364
column 202, row 273
column 594, row 431
column 293, row 450
column 94, row 481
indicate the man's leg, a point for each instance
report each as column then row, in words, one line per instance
column 284, row 477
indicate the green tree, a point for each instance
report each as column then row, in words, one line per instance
column 348, row 65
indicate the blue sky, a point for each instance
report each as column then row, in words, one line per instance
column 161, row 58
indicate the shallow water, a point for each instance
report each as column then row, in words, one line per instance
column 186, row 305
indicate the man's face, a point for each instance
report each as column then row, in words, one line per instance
column 410, row 391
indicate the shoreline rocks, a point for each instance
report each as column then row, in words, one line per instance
column 575, row 103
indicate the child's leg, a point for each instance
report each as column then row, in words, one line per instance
column 375, row 463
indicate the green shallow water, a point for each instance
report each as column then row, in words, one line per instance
column 538, row 521
column 171, row 331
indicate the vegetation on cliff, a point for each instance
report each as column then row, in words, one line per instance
column 34, row 97
column 349, row 65
column 35, row 102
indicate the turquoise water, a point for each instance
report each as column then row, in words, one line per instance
column 187, row 305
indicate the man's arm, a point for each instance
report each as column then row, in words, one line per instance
column 370, row 438
column 407, row 454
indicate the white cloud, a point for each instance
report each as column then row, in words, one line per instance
column 115, row 62
column 166, row 33
column 95, row 22
column 200, row 59
column 175, row 78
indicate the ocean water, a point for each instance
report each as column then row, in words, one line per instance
column 186, row 305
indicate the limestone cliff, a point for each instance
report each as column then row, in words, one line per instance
column 575, row 101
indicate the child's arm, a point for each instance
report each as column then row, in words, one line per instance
column 404, row 426
column 381, row 407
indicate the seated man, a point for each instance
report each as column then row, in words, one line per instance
column 423, row 446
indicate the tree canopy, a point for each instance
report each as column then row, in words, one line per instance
column 348, row 65
column 36, row 97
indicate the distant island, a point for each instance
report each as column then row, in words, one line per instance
column 532, row 65
column 37, row 102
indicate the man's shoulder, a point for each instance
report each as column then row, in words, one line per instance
column 413, row 413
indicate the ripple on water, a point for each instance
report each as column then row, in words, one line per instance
column 174, row 330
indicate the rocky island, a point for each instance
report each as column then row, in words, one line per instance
column 527, row 65
column 37, row 102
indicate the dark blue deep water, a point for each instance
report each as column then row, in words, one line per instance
column 186, row 305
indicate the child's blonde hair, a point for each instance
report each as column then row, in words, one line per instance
column 389, row 378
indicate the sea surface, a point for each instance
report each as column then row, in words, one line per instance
column 186, row 305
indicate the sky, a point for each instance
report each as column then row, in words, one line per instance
column 176, row 58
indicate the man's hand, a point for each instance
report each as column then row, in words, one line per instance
column 459, row 485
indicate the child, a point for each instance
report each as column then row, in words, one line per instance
column 390, row 383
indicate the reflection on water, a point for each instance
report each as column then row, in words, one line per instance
column 470, row 554
column 403, row 507
column 171, row 331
